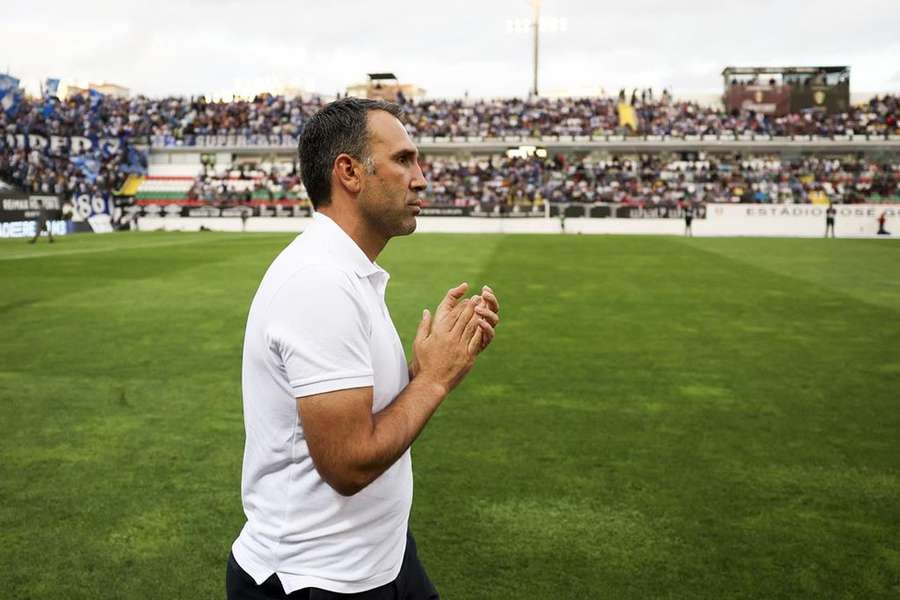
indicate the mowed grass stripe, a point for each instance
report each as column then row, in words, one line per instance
column 653, row 420
column 868, row 278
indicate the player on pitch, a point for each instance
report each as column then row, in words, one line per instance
column 830, row 212
column 41, row 223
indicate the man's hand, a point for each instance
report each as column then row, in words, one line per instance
column 488, row 308
column 446, row 344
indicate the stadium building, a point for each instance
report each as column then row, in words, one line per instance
column 516, row 163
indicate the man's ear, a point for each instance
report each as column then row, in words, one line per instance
column 347, row 172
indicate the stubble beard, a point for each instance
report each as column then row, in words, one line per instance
column 385, row 217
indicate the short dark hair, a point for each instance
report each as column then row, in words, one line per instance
column 338, row 128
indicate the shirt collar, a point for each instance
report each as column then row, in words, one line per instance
column 344, row 248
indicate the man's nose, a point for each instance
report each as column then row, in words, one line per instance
column 418, row 182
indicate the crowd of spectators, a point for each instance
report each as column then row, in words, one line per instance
column 46, row 172
column 267, row 183
column 660, row 116
column 55, row 170
column 176, row 119
column 660, row 179
column 650, row 179
column 138, row 120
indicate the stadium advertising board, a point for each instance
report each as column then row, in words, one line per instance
column 80, row 214
column 478, row 211
column 445, row 211
column 623, row 211
column 569, row 210
column 19, row 214
column 782, row 211
column 657, row 212
column 501, row 212
column 768, row 100
column 284, row 209
column 798, row 220
column 578, row 211
column 830, row 99
column 224, row 141
column 16, row 206
column 193, row 209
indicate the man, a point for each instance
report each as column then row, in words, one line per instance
column 882, row 219
column 41, row 223
column 688, row 219
column 829, row 219
column 330, row 405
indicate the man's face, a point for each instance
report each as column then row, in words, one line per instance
column 393, row 179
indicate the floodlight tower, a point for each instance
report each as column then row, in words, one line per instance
column 535, row 25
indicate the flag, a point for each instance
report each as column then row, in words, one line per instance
column 131, row 185
column 818, row 197
column 627, row 116
column 137, row 161
column 9, row 101
column 8, row 82
column 10, row 95
column 95, row 98
column 51, row 87
column 89, row 167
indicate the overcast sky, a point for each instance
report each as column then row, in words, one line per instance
column 448, row 48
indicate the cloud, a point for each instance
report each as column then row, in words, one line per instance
column 208, row 46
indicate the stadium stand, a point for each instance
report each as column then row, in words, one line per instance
column 175, row 121
column 105, row 156
column 665, row 178
column 662, row 179
column 651, row 116
column 120, row 130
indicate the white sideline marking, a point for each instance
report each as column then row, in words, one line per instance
column 106, row 249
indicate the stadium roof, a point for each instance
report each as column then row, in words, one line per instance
column 381, row 76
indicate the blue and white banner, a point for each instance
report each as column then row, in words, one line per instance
column 9, row 101
column 235, row 140
column 89, row 167
column 51, row 87
column 96, row 98
column 8, row 82
column 86, row 207
column 10, row 94
column 73, row 145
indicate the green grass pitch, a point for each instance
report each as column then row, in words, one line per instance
column 657, row 417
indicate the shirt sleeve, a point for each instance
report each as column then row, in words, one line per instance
column 320, row 330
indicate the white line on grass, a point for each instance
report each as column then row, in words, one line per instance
column 51, row 254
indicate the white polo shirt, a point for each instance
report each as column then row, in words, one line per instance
column 318, row 323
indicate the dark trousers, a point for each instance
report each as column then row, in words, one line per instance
column 411, row 584
column 38, row 228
